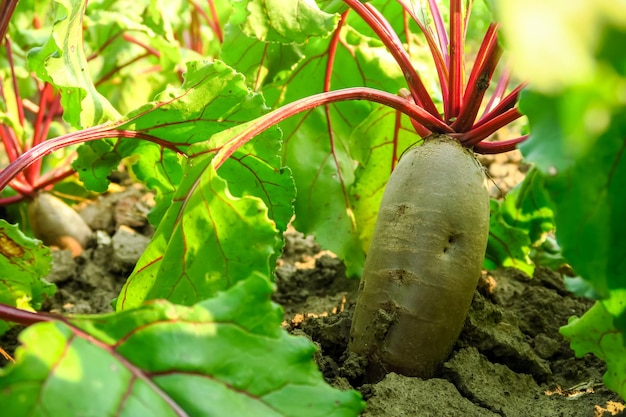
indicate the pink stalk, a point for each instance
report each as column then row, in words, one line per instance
column 22, row 187
column 504, row 105
column 332, row 51
column 396, row 133
column 9, row 141
column 477, row 134
column 26, row 318
column 442, row 35
column 356, row 93
column 440, row 56
column 456, row 60
column 7, row 7
column 108, row 75
column 144, row 45
column 5, row 201
column 407, row 31
column 486, row 61
column 54, row 177
column 16, row 91
column 102, row 47
column 498, row 147
column 419, row 128
column 499, row 91
column 105, row 131
column 44, row 118
column 396, row 49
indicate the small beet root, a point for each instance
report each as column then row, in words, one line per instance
column 58, row 224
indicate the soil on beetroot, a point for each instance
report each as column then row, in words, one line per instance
column 509, row 361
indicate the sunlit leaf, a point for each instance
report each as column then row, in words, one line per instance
column 507, row 245
column 212, row 98
column 595, row 332
column 167, row 360
column 23, row 262
column 209, row 239
column 124, row 39
column 62, row 62
column 280, row 21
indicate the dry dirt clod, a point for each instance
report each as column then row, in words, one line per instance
column 401, row 396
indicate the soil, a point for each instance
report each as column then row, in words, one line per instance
column 510, row 359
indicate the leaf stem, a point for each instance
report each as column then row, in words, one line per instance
column 477, row 134
column 498, row 147
column 499, row 91
column 456, row 76
column 6, row 12
column 332, row 51
column 440, row 27
column 386, row 34
column 105, row 131
column 148, row 48
column 486, row 61
column 16, row 91
column 11, row 146
column 23, row 317
column 355, row 93
column 216, row 27
column 54, row 177
column 440, row 56
column 5, row 201
column 504, row 105
column 48, row 106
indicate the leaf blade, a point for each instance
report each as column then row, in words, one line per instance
column 191, row 368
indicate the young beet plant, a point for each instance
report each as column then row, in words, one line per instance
column 29, row 119
column 213, row 154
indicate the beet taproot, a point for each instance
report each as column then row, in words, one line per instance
column 424, row 260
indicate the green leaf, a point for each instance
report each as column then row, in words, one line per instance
column 317, row 144
column 595, row 332
column 166, row 360
column 507, row 245
column 209, row 239
column 23, row 262
column 527, row 207
column 519, row 227
column 261, row 63
column 116, row 61
column 212, row 98
column 95, row 161
column 280, row 21
column 586, row 176
column 62, row 62
column 577, row 138
column 377, row 144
